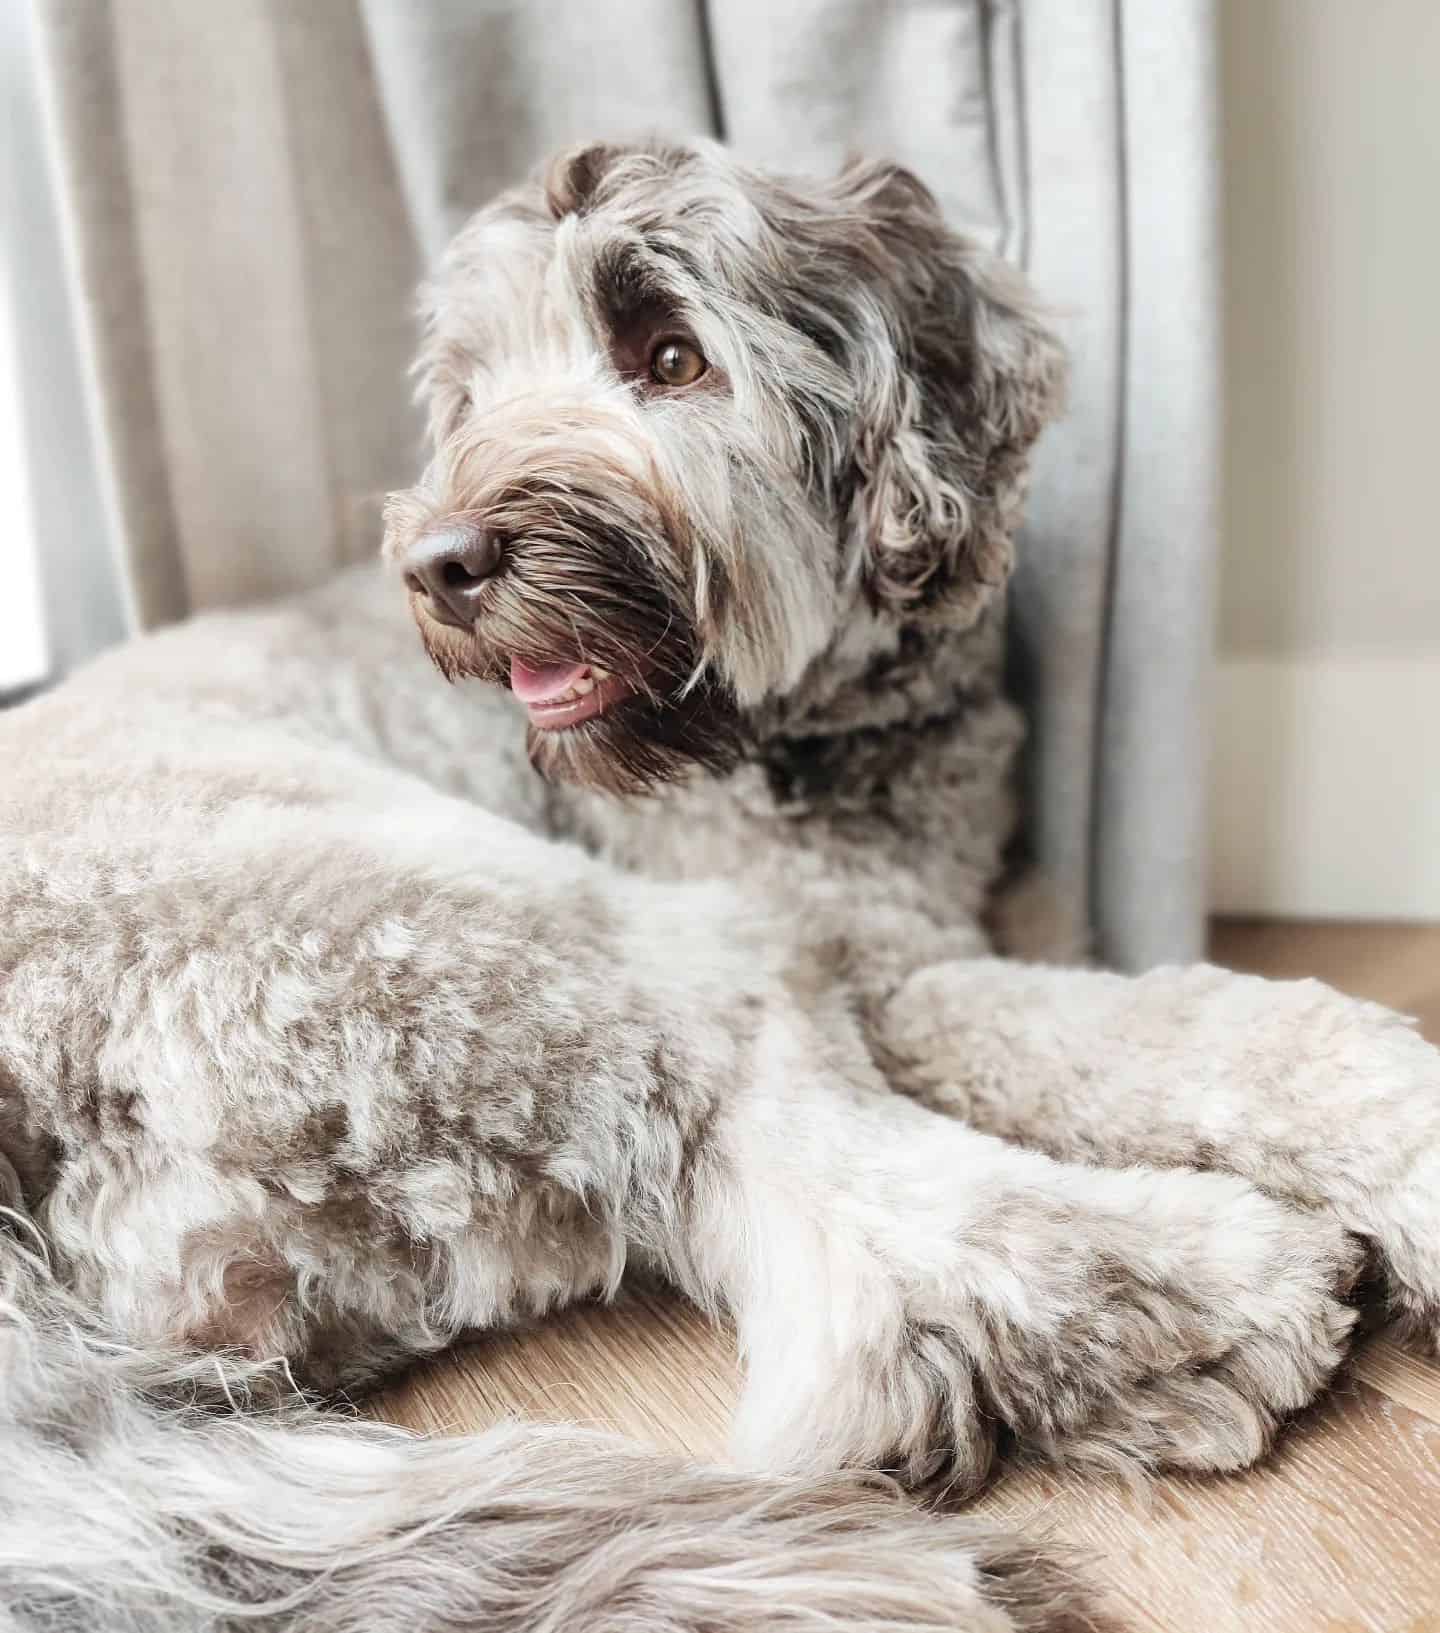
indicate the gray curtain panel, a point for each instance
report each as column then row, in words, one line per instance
column 253, row 186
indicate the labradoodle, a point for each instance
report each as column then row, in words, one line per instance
column 343, row 1012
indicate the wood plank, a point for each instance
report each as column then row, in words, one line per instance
column 1394, row 964
column 1336, row 1532
column 1400, row 1373
column 649, row 1366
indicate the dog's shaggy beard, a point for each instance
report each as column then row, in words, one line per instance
column 585, row 581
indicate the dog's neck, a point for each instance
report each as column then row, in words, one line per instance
column 868, row 698
column 865, row 715
column 856, row 745
column 878, row 675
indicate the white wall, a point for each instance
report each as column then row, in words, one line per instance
column 1328, row 746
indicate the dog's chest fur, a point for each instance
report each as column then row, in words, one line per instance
column 892, row 775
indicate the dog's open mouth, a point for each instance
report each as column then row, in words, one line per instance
column 559, row 695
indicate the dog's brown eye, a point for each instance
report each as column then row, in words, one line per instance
column 676, row 363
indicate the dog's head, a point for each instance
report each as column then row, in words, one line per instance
column 691, row 421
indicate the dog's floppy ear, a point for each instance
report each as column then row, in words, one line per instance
column 578, row 178
column 945, row 430
column 573, row 177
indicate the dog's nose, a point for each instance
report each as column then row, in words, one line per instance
column 449, row 566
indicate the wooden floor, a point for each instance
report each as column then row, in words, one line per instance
column 1339, row 1532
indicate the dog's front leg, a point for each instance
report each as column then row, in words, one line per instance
column 905, row 1287
column 1312, row 1096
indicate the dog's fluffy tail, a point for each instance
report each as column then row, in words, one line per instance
column 129, row 1502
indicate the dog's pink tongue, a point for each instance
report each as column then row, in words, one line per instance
column 541, row 685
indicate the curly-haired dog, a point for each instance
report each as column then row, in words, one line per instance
column 329, row 1030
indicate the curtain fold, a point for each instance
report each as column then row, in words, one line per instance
column 1074, row 253
column 478, row 90
column 813, row 81
column 254, row 185
column 1153, row 743
column 49, row 469
column 246, row 266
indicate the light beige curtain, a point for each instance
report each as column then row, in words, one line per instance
column 252, row 187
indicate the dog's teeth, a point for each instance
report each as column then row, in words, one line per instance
column 584, row 686
column 599, row 674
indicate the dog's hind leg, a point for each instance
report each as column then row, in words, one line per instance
column 1314, row 1097
column 336, row 1082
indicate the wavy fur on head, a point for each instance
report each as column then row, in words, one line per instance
column 859, row 438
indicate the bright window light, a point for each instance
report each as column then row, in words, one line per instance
column 23, row 655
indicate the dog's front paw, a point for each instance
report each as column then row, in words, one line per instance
column 1363, row 1142
column 1329, row 1102
column 1165, row 1319
column 1107, row 1318
column 1216, row 1313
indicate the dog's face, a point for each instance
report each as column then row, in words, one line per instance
column 691, row 423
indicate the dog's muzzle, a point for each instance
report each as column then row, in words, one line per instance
column 450, row 569
column 448, row 566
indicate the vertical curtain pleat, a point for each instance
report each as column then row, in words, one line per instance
column 83, row 84
column 358, row 262
column 477, row 91
column 1150, row 827
column 219, row 237
column 1059, row 599
column 245, row 261
column 813, row 82
column 63, row 534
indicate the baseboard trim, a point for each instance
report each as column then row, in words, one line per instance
column 1325, row 791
